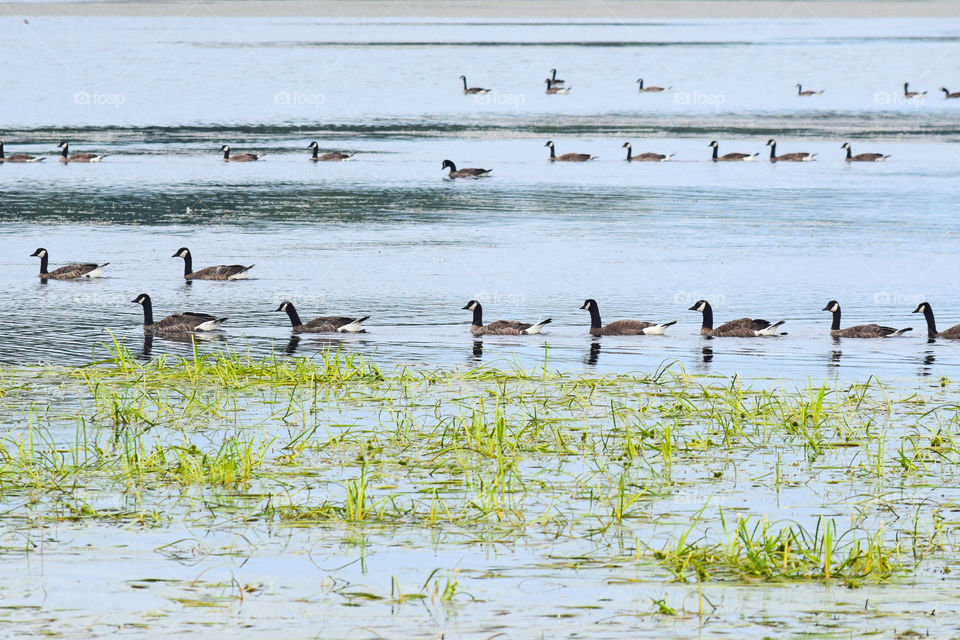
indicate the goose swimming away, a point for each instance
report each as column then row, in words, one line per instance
column 554, row 80
column 622, row 327
column 77, row 157
column 731, row 157
column 568, row 157
column 801, row 92
column 323, row 324
column 553, row 90
column 911, row 94
column 472, row 90
column 860, row 330
column 501, row 327
column 327, row 157
column 240, row 157
column 788, row 157
column 644, row 89
column 67, row 272
column 947, row 94
column 740, row 328
column 466, row 172
column 18, row 157
column 645, row 157
column 178, row 322
column 218, row 272
column 953, row 333
column 862, row 157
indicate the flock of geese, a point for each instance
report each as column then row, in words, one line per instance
column 470, row 172
column 556, row 86
column 188, row 322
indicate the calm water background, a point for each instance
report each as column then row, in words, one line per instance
column 385, row 235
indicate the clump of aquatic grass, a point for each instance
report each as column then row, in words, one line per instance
column 754, row 550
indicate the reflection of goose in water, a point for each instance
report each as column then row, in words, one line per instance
column 707, row 354
column 292, row 345
column 594, row 353
column 477, row 353
column 186, row 339
column 928, row 359
column 836, row 354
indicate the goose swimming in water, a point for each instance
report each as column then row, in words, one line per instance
column 622, row 327
column 501, row 327
column 67, row 272
column 740, row 328
column 860, row 330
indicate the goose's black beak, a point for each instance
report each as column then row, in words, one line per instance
column 693, row 308
column 280, row 308
column 466, row 307
column 826, row 308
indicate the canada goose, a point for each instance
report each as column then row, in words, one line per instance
column 860, row 330
column 18, row 157
column 622, row 327
column 327, row 157
column 323, row 324
column 178, row 322
column 953, row 333
column 911, row 94
column 240, row 157
column 553, row 78
column 788, row 157
column 468, row 90
column 552, row 90
column 567, row 157
column 741, row 328
column 218, row 272
column 862, row 157
column 947, row 94
column 801, row 92
column 731, row 157
column 466, row 172
column 644, row 89
column 501, row 327
column 77, row 157
column 645, row 157
column 67, row 272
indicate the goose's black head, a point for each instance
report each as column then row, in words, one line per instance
column 639, row 80
column 548, row 81
column 463, row 77
column 797, row 86
column 182, row 252
column 39, row 253
column 699, row 305
column 448, row 164
column 141, row 299
column 846, row 145
column 833, row 306
column 589, row 303
column 313, row 145
column 553, row 71
column 62, row 145
column 284, row 305
column 549, row 143
column 771, row 142
column 470, row 306
column 922, row 307
column 713, row 143
column 225, row 147
column 626, row 145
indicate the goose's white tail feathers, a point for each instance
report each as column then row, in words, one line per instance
column 96, row 273
column 900, row 332
column 538, row 326
column 210, row 325
column 658, row 329
column 354, row 327
column 243, row 274
column 751, row 158
column 771, row 330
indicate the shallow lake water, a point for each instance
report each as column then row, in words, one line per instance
column 385, row 235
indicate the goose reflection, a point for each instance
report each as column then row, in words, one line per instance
column 292, row 345
column 184, row 338
column 835, row 356
column 706, row 355
column 929, row 358
column 476, row 355
column 593, row 354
